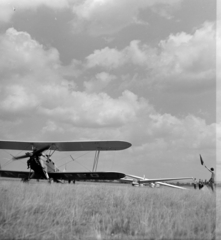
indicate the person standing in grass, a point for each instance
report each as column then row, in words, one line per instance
column 200, row 184
column 194, row 183
column 211, row 181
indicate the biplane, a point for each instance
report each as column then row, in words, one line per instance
column 42, row 167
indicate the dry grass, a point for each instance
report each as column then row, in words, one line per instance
column 218, row 214
column 93, row 211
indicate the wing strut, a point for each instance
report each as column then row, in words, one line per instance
column 96, row 158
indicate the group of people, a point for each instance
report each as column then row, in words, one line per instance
column 210, row 183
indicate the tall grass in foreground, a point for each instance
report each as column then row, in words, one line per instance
column 93, row 211
column 218, row 214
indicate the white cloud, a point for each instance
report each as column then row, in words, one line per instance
column 181, row 59
column 108, row 58
column 94, row 110
column 101, row 81
column 10, row 7
column 190, row 132
column 112, row 58
column 98, row 17
column 189, row 53
column 18, row 99
column 33, row 79
column 21, row 54
column 218, row 71
column 27, row 70
column 52, row 127
column 94, row 16
column 218, row 92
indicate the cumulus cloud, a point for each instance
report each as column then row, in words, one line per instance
column 135, row 53
column 190, row 53
column 189, row 132
column 27, row 70
column 98, row 17
column 218, row 94
column 92, row 16
column 171, row 132
column 94, row 110
column 17, row 99
column 32, row 80
column 10, row 7
column 21, row 54
column 180, row 59
column 218, row 71
column 108, row 58
column 101, row 81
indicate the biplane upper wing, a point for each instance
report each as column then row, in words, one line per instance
column 67, row 175
column 66, row 146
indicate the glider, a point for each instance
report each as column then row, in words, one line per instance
column 44, row 168
column 141, row 181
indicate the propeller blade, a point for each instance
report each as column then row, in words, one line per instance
column 40, row 150
column 30, row 154
column 22, row 156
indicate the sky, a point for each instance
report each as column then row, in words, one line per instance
column 142, row 71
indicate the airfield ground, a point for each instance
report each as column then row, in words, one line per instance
column 106, row 211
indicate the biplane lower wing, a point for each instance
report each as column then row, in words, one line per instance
column 14, row 174
column 67, row 175
column 86, row 175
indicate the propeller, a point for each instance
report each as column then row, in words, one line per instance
column 36, row 152
column 28, row 154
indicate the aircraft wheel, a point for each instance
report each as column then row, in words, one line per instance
column 25, row 180
column 50, row 180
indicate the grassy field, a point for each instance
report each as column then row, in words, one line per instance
column 105, row 211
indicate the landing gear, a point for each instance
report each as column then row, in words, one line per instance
column 69, row 181
column 50, row 180
column 25, row 179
